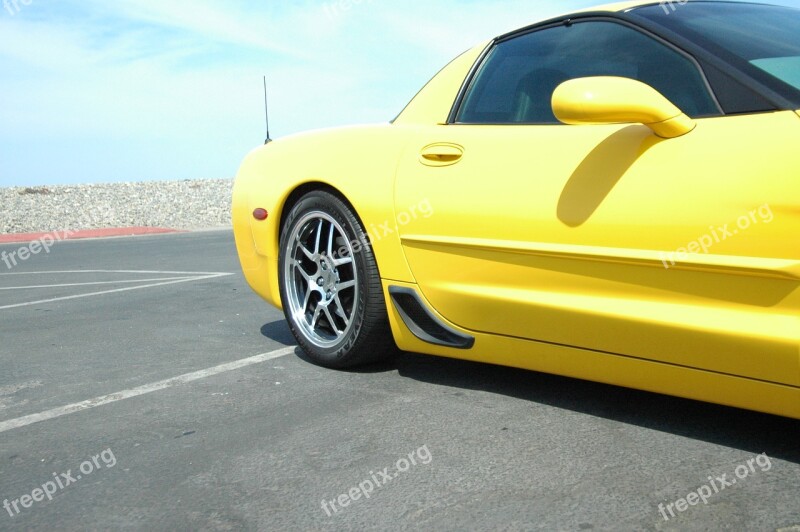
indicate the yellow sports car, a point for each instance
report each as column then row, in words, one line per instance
column 611, row 195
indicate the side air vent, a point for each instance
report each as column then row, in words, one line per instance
column 423, row 323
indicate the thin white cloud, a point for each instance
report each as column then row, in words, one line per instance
column 206, row 20
column 133, row 89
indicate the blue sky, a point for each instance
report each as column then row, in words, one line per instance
column 129, row 90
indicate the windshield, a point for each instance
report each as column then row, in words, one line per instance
column 764, row 38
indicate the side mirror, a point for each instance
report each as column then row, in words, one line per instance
column 613, row 100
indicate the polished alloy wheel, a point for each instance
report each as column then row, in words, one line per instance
column 330, row 285
column 321, row 279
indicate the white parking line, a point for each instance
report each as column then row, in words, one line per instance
column 97, row 283
column 141, row 390
column 201, row 277
column 149, row 272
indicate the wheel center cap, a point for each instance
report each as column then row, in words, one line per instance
column 327, row 275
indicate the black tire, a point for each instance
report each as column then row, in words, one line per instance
column 335, row 309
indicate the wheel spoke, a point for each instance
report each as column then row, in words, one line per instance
column 305, row 251
column 307, row 298
column 342, row 262
column 340, row 310
column 319, row 237
column 345, row 285
column 330, row 240
column 300, row 269
column 316, row 316
column 332, row 322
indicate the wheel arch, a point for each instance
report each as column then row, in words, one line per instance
column 312, row 186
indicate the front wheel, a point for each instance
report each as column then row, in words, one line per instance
column 330, row 285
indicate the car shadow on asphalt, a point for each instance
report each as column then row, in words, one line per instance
column 749, row 431
column 732, row 427
column 279, row 332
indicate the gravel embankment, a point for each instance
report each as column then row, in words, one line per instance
column 189, row 204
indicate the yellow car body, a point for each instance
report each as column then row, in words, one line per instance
column 663, row 260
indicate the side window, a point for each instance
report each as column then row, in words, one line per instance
column 517, row 79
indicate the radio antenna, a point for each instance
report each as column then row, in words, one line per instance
column 266, row 111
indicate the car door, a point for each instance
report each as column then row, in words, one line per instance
column 609, row 237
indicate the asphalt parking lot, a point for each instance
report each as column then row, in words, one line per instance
column 144, row 387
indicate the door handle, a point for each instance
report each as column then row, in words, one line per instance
column 442, row 154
